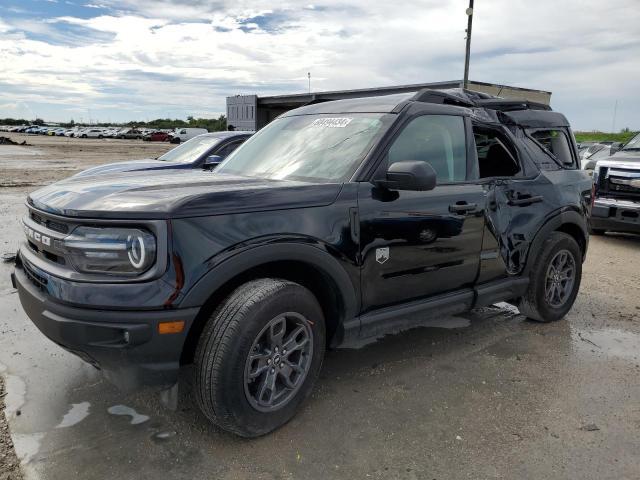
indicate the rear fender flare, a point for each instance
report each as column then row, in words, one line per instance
column 569, row 217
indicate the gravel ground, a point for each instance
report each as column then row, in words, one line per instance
column 47, row 159
column 9, row 465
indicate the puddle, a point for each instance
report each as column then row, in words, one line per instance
column 77, row 413
column 26, row 445
column 611, row 342
column 136, row 418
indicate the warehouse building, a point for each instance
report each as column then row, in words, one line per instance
column 251, row 112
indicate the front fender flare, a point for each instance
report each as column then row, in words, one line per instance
column 256, row 256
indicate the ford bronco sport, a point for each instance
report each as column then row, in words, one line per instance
column 337, row 221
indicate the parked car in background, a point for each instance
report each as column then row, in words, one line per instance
column 92, row 133
column 157, row 137
column 615, row 205
column 597, row 152
column 204, row 151
column 183, row 134
column 130, row 133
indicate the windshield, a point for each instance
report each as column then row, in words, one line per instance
column 633, row 144
column 313, row 148
column 191, row 150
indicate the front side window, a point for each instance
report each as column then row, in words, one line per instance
column 225, row 151
column 314, row 148
column 555, row 142
column 439, row 140
column 190, row 151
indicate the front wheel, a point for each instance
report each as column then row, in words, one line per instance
column 554, row 280
column 259, row 356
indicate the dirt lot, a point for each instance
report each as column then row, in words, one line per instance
column 48, row 159
column 485, row 395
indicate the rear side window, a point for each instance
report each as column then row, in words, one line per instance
column 556, row 143
column 439, row 140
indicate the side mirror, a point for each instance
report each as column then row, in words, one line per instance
column 212, row 161
column 409, row 175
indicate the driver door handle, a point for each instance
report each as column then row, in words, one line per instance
column 463, row 207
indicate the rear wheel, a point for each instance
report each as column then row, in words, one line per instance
column 554, row 280
column 259, row 356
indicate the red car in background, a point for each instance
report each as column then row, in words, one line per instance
column 158, row 137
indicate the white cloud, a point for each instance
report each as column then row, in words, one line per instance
column 182, row 56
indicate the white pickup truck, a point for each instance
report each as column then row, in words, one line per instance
column 615, row 205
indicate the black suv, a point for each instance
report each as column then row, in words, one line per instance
column 338, row 221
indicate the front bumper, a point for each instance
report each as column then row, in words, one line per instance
column 615, row 214
column 126, row 345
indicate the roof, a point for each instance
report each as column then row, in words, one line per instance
column 481, row 106
column 227, row 134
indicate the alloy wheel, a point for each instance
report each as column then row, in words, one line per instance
column 560, row 278
column 278, row 362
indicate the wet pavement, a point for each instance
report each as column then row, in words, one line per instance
column 483, row 395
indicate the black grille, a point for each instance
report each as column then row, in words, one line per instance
column 38, row 280
column 619, row 189
column 50, row 224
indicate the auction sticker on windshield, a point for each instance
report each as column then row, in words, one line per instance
column 331, row 122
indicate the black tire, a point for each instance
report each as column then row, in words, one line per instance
column 84, row 136
column 100, row 137
column 534, row 304
column 222, row 355
column 596, row 231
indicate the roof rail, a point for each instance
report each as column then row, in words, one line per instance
column 504, row 105
column 428, row 95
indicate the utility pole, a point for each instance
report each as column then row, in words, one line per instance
column 468, row 51
column 615, row 112
column 309, row 77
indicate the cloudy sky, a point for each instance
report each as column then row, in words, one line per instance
column 123, row 60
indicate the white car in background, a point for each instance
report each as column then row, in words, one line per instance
column 183, row 134
column 92, row 133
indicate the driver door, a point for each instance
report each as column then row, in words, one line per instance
column 415, row 244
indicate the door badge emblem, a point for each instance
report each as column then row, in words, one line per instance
column 382, row 255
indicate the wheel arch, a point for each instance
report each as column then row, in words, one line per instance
column 570, row 222
column 310, row 266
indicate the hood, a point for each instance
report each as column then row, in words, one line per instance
column 131, row 165
column 189, row 193
column 622, row 159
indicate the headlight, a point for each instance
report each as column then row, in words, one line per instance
column 113, row 251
